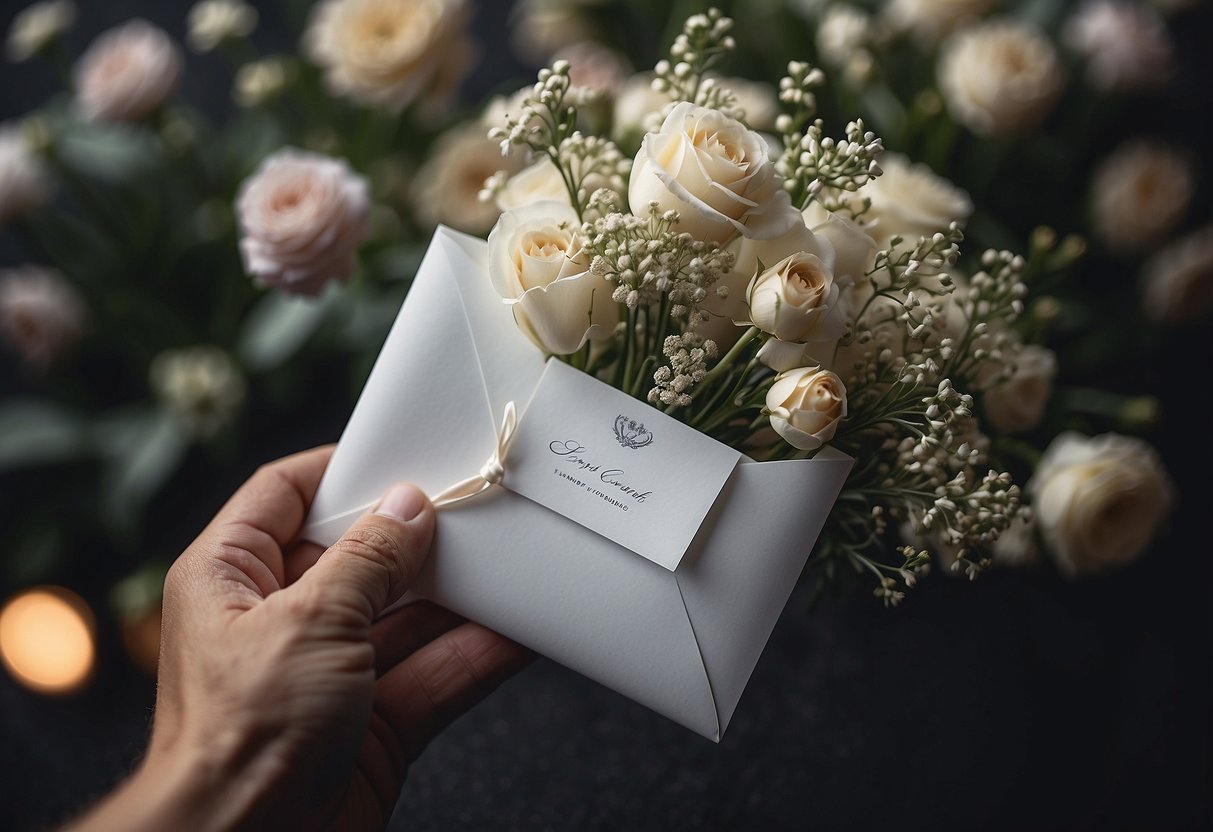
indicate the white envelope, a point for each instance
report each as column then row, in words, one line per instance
column 681, row 642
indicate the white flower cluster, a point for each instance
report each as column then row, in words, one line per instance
column 688, row 356
column 704, row 40
column 813, row 162
column 649, row 261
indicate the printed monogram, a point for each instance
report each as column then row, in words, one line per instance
column 630, row 433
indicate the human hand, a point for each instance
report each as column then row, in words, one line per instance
column 282, row 702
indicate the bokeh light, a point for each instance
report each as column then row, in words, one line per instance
column 47, row 639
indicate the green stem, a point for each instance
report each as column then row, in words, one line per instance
column 723, row 364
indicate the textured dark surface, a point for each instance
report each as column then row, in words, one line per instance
column 1017, row 703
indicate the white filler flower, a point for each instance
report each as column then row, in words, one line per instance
column 36, row 27
column 211, row 22
column 201, row 386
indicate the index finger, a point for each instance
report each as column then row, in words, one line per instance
column 275, row 500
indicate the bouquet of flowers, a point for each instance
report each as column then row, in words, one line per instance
column 738, row 287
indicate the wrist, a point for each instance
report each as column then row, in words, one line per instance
column 182, row 788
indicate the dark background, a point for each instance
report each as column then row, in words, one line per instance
column 1017, row 702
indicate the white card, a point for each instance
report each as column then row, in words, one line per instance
column 616, row 465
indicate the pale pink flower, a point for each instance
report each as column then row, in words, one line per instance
column 302, row 217
column 127, row 73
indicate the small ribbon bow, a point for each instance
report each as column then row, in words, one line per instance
column 491, row 472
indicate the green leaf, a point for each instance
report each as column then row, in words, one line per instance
column 38, row 433
column 278, row 325
column 143, row 448
column 114, row 153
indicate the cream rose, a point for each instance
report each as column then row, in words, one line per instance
column 383, row 52
column 910, row 201
column 537, row 265
column 1000, row 77
column 41, row 315
column 126, row 73
column 1139, row 194
column 929, row 19
column 1179, row 279
column 1099, row 500
column 842, row 31
column 1018, row 403
column 538, row 182
column 1126, row 45
column 638, row 108
column 448, row 186
column 24, row 180
column 725, row 314
column 715, row 173
column 302, row 217
column 796, row 301
column 806, row 406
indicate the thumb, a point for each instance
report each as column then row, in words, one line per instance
column 373, row 564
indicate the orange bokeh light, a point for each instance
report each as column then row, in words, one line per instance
column 46, row 639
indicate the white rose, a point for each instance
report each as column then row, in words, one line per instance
column 910, row 201
column 1139, row 194
column 540, row 27
column 930, row 19
column 1099, row 500
column 1016, row 546
column 1179, row 279
column 796, row 301
column 728, row 315
column 302, row 217
column 1018, row 403
column 854, row 248
column 843, row 30
column 211, row 22
column 201, row 386
column 537, row 265
column 757, row 99
column 1000, row 77
column 24, row 180
column 126, row 73
column 715, row 173
column 36, row 27
column 538, row 182
column 41, row 315
column 448, row 186
column 383, row 52
column 1127, row 46
column 638, row 108
column 806, row 406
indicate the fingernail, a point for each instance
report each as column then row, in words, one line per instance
column 403, row 502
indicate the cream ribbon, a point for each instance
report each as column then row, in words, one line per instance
column 491, row 472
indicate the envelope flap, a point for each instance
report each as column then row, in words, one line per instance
column 509, row 363
column 424, row 386
column 736, row 588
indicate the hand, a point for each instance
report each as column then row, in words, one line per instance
column 283, row 702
